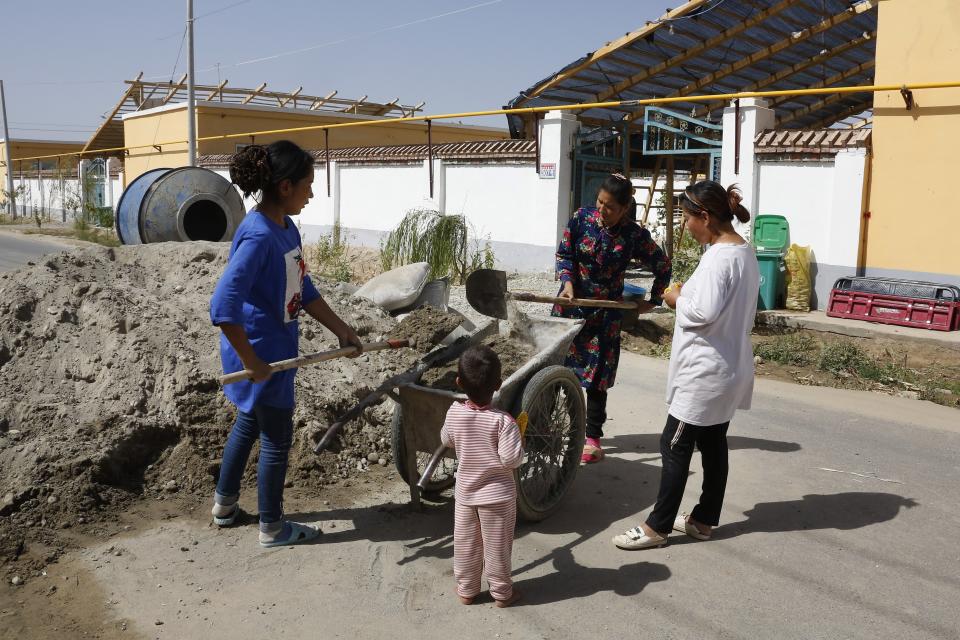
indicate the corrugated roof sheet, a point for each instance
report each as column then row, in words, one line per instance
column 818, row 141
column 726, row 46
column 502, row 150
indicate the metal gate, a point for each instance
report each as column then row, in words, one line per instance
column 596, row 155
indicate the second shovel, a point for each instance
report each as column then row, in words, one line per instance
column 487, row 293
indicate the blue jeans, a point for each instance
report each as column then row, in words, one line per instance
column 274, row 427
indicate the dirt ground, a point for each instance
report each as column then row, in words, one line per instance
column 109, row 366
column 112, row 424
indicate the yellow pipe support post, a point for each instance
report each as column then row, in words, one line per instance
column 534, row 110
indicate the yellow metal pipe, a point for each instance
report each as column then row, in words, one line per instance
column 530, row 110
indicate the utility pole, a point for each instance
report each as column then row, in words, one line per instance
column 11, row 204
column 191, row 113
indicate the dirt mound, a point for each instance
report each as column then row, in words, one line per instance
column 426, row 327
column 108, row 371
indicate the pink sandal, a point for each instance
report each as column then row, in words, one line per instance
column 592, row 452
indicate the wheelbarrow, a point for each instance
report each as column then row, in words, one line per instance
column 550, row 394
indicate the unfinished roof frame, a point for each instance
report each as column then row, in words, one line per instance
column 706, row 47
column 140, row 94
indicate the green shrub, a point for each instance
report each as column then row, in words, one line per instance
column 843, row 356
column 442, row 241
column 328, row 256
column 796, row 349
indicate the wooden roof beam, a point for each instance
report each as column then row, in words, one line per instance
column 173, row 91
column 291, row 96
column 388, row 107
column 773, row 49
column 216, row 92
column 254, row 93
column 321, row 101
column 791, row 70
column 853, row 110
column 813, row 108
column 355, row 106
column 832, row 80
column 693, row 52
column 134, row 86
column 614, row 46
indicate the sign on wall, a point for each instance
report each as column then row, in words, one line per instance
column 548, row 170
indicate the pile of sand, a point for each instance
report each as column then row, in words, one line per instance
column 109, row 391
column 513, row 351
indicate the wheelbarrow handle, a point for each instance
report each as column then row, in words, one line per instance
column 572, row 302
column 313, row 358
column 432, row 466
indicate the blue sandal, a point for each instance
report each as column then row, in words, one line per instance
column 229, row 519
column 297, row 534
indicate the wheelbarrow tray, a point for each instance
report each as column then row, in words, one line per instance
column 424, row 409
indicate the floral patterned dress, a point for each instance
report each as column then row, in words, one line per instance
column 595, row 260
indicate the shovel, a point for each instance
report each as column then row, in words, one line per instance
column 487, row 293
column 313, row 358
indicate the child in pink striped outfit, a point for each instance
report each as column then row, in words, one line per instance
column 489, row 446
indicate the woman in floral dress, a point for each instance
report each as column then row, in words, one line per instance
column 597, row 247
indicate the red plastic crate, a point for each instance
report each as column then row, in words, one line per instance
column 921, row 313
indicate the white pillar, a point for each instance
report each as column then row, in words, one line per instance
column 437, row 201
column 755, row 116
column 554, row 205
column 846, row 214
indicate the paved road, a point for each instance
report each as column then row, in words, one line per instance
column 17, row 249
column 841, row 521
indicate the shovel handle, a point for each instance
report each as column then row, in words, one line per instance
column 572, row 302
column 312, row 358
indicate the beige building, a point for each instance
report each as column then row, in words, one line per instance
column 151, row 120
column 23, row 148
column 145, row 129
column 910, row 217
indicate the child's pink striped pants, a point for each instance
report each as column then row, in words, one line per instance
column 483, row 543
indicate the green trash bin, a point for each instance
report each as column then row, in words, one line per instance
column 771, row 237
column 772, row 280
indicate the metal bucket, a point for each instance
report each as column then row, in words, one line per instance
column 189, row 203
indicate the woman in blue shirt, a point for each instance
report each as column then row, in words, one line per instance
column 256, row 305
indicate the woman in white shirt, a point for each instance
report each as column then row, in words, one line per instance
column 711, row 365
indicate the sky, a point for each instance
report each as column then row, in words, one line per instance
column 63, row 63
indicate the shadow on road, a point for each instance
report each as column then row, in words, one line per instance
column 572, row 580
column 650, row 443
column 843, row 511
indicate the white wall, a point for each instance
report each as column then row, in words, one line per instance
column 520, row 211
column 499, row 200
column 47, row 197
column 822, row 202
column 802, row 192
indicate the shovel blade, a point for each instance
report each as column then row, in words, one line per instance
column 487, row 292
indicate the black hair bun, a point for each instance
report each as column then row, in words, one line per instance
column 250, row 169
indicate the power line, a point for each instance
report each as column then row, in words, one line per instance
column 209, row 13
column 361, row 35
column 690, row 15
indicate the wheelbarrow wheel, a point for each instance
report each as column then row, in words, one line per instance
column 443, row 475
column 554, row 439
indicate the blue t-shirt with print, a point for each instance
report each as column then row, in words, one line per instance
column 263, row 288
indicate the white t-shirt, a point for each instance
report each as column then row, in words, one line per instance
column 711, row 360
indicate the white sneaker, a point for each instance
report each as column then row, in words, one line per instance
column 636, row 539
column 681, row 525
